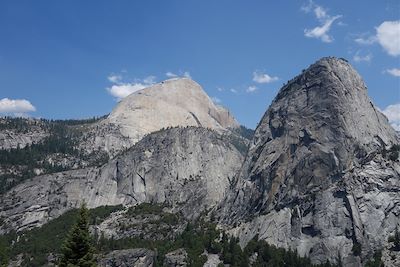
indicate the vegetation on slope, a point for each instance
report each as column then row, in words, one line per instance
column 36, row 244
column 24, row 162
column 197, row 238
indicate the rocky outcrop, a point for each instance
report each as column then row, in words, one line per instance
column 23, row 133
column 135, row 222
column 171, row 103
column 316, row 178
column 213, row 260
column 129, row 257
column 187, row 169
column 176, row 258
column 390, row 257
column 175, row 102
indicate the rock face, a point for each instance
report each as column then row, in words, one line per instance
column 188, row 169
column 176, row 258
column 172, row 103
column 128, row 257
column 29, row 132
column 175, row 102
column 316, row 177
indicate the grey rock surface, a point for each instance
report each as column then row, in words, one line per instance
column 171, row 103
column 128, row 258
column 317, row 177
column 176, row 258
column 160, row 225
column 212, row 260
column 187, row 169
column 33, row 131
column 390, row 257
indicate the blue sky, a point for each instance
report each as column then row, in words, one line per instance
column 73, row 59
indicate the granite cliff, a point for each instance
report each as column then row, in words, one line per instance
column 317, row 177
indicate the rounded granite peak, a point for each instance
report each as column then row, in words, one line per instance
column 171, row 103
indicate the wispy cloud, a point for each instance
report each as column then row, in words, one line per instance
column 170, row 74
column 362, row 58
column 114, row 78
column 387, row 35
column 149, row 80
column 121, row 89
column 392, row 112
column 216, row 100
column 185, row 74
column 395, row 72
column 232, row 90
column 260, row 77
column 365, row 40
column 251, row 89
column 326, row 21
column 16, row 107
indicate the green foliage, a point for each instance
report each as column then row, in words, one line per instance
column 145, row 208
column 269, row 255
column 394, row 152
column 99, row 214
column 62, row 139
column 245, row 132
column 196, row 238
column 38, row 242
column 77, row 249
column 4, row 253
column 395, row 239
column 356, row 249
column 239, row 138
column 375, row 261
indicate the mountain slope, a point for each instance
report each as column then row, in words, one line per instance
column 316, row 177
column 171, row 103
column 188, row 169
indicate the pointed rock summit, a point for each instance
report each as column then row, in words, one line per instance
column 174, row 102
column 317, row 172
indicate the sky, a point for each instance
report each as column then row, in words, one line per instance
column 77, row 59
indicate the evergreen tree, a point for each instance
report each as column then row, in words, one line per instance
column 77, row 249
column 396, row 240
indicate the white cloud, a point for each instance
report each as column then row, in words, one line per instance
column 121, row 89
column 220, row 89
column 388, row 35
column 185, row 74
column 326, row 21
column 16, row 107
column 395, row 72
column 392, row 112
column 260, row 77
column 216, row 100
column 171, row 74
column 114, row 78
column 233, row 91
column 149, row 80
column 251, row 89
column 368, row 40
column 366, row 58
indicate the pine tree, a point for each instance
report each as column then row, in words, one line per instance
column 77, row 249
column 396, row 240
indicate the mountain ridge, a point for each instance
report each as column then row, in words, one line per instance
column 320, row 138
column 320, row 176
